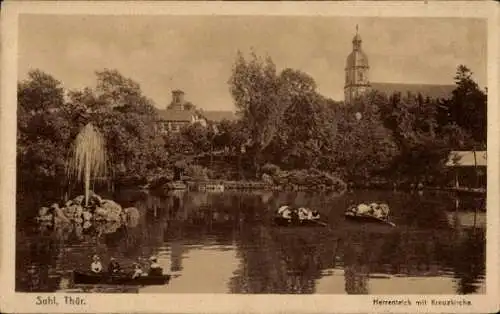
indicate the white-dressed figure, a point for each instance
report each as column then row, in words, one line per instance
column 385, row 209
column 285, row 212
column 363, row 209
column 137, row 271
column 304, row 213
column 377, row 211
column 96, row 266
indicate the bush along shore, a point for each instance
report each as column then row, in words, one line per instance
column 272, row 179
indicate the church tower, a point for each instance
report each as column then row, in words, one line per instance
column 356, row 72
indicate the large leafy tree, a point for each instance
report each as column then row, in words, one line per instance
column 200, row 136
column 423, row 144
column 257, row 93
column 230, row 136
column 40, row 92
column 43, row 133
column 308, row 125
column 48, row 123
column 127, row 119
column 468, row 105
column 364, row 146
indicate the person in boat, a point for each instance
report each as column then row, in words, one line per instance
column 96, row 266
column 420, row 186
column 385, row 210
column 381, row 211
column 351, row 207
column 363, row 209
column 314, row 215
column 294, row 215
column 155, row 268
column 114, row 266
column 284, row 211
column 304, row 213
column 377, row 210
column 137, row 271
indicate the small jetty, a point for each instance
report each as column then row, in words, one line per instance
column 178, row 185
column 211, row 187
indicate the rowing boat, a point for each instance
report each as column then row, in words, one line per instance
column 367, row 219
column 286, row 222
column 118, row 279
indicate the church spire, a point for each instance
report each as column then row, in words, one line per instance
column 356, row 71
column 356, row 41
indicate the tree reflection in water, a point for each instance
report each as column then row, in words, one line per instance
column 468, row 262
column 35, row 262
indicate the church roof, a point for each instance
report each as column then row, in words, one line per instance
column 357, row 58
column 356, row 38
column 426, row 90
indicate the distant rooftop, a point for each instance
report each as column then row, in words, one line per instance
column 466, row 159
column 219, row 115
column 426, row 90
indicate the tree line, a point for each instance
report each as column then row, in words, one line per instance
column 284, row 123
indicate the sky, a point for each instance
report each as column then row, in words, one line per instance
column 196, row 53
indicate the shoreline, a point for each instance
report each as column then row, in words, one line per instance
column 222, row 185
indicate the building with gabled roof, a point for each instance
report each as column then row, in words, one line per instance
column 219, row 115
column 467, row 159
column 180, row 113
column 469, row 168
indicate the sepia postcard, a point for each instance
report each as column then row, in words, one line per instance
column 264, row 157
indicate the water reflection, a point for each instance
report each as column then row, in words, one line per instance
column 225, row 243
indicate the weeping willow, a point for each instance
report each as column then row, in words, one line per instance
column 88, row 157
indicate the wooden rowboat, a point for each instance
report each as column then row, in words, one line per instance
column 367, row 219
column 118, row 279
column 286, row 222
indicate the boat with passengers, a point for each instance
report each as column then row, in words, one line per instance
column 372, row 213
column 288, row 215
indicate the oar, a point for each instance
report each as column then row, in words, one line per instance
column 320, row 223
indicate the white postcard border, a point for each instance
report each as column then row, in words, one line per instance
column 10, row 301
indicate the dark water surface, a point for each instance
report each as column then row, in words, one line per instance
column 226, row 243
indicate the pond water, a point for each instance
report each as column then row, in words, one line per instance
column 226, row 243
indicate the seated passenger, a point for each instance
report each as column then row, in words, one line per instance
column 284, row 211
column 314, row 214
column 351, row 207
column 363, row 209
column 96, row 266
column 304, row 213
column 385, row 209
column 155, row 268
column 114, row 266
column 377, row 211
column 137, row 271
column 295, row 215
